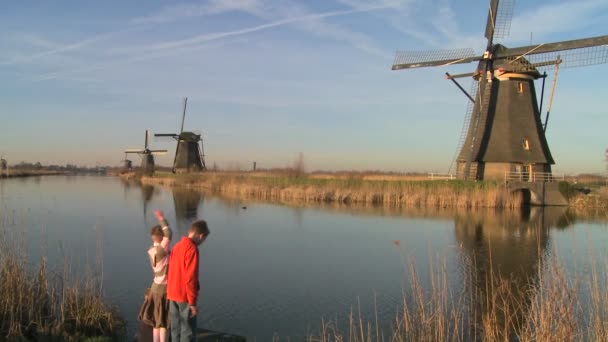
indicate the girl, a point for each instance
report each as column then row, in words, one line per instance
column 155, row 311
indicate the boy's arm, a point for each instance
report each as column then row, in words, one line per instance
column 191, row 268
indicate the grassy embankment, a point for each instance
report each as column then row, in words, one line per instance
column 37, row 304
column 18, row 173
column 392, row 191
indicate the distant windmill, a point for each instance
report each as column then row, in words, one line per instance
column 127, row 165
column 147, row 157
column 504, row 129
column 3, row 167
column 606, row 159
column 189, row 154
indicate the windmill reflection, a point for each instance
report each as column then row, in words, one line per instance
column 504, row 253
column 186, row 207
column 147, row 193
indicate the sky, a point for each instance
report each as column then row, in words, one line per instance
column 80, row 81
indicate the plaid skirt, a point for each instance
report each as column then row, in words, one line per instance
column 155, row 309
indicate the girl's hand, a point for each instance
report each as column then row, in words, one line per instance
column 159, row 215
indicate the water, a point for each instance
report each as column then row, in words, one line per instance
column 279, row 270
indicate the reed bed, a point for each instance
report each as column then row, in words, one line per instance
column 40, row 305
column 552, row 305
column 390, row 193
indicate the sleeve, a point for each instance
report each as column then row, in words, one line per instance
column 167, row 235
column 191, row 271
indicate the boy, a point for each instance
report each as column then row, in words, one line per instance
column 183, row 286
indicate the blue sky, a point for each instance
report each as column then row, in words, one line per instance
column 81, row 81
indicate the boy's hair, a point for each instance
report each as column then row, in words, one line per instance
column 157, row 232
column 199, row 227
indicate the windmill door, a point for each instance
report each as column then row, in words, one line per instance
column 526, row 172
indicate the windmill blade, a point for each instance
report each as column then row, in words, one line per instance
column 184, row 114
column 165, row 136
column 567, row 59
column 525, row 51
column 147, row 136
column 134, row 150
column 420, row 59
column 570, row 54
column 158, row 152
column 500, row 16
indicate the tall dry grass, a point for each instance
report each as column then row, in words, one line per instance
column 41, row 305
column 306, row 188
column 552, row 306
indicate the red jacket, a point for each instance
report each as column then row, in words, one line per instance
column 182, row 280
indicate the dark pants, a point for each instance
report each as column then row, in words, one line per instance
column 183, row 324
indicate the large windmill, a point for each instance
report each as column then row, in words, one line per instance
column 504, row 129
column 189, row 154
column 147, row 157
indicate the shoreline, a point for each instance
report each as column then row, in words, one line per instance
column 32, row 173
column 394, row 192
column 390, row 191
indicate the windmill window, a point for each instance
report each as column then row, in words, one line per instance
column 526, row 145
column 520, row 87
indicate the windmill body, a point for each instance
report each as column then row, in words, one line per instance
column 127, row 164
column 189, row 153
column 3, row 167
column 147, row 158
column 505, row 134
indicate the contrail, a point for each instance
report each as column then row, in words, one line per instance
column 221, row 35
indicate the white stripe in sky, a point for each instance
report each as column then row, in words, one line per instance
column 221, row 35
column 209, row 37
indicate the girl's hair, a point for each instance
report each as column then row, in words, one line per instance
column 157, row 232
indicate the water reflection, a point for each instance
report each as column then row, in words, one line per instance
column 503, row 254
column 147, row 192
column 186, row 203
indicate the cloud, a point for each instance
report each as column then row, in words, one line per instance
column 558, row 18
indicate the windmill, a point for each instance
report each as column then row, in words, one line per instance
column 3, row 167
column 127, row 165
column 189, row 154
column 503, row 131
column 147, row 157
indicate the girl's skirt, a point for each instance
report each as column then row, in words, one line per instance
column 155, row 309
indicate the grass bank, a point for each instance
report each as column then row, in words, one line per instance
column 37, row 304
column 393, row 192
column 30, row 173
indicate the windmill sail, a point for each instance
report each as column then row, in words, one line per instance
column 500, row 15
column 421, row 59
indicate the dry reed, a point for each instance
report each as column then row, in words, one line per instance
column 549, row 307
column 37, row 304
column 306, row 188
